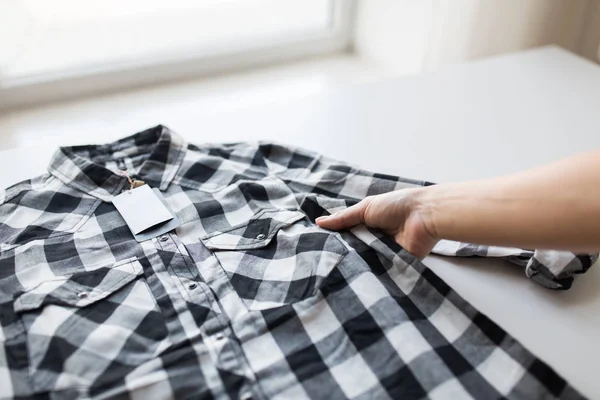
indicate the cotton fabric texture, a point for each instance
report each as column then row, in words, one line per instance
column 248, row 298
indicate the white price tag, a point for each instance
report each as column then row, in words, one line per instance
column 141, row 209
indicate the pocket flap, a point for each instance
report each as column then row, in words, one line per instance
column 255, row 233
column 80, row 289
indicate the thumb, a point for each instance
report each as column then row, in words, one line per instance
column 351, row 216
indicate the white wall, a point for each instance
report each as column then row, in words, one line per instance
column 393, row 35
column 409, row 36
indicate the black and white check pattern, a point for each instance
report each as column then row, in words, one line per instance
column 247, row 298
column 550, row 268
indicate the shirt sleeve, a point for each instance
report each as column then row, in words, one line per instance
column 554, row 269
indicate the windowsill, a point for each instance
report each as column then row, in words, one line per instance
column 179, row 105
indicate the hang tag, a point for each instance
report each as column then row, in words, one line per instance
column 160, row 229
column 141, row 209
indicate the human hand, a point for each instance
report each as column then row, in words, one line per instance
column 399, row 214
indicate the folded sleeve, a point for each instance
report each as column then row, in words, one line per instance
column 553, row 269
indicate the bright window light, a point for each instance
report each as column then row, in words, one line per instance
column 63, row 48
column 64, row 35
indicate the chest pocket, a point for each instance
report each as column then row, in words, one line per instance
column 89, row 327
column 278, row 257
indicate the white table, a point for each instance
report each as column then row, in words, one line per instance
column 472, row 121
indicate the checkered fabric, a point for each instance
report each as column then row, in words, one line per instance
column 550, row 268
column 246, row 299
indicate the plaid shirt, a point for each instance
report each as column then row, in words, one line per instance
column 247, row 299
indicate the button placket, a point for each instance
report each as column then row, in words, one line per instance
column 180, row 269
column 220, row 340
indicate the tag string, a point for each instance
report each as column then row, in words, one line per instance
column 133, row 183
column 124, row 173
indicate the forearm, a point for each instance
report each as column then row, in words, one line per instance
column 555, row 206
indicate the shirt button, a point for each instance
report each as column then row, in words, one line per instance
column 246, row 396
column 219, row 336
column 164, row 238
column 260, row 236
column 82, row 295
column 192, row 286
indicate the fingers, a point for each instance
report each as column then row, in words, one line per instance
column 351, row 216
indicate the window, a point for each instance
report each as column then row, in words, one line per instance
column 59, row 45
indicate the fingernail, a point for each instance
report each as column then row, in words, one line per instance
column 321, row 218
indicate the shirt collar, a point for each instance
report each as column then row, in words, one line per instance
column 83, row 167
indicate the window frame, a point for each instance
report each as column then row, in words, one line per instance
column 15, row 92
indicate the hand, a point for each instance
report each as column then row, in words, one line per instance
column 397, row 213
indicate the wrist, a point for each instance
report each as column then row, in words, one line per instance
column 426, row 208
column 455, row 211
